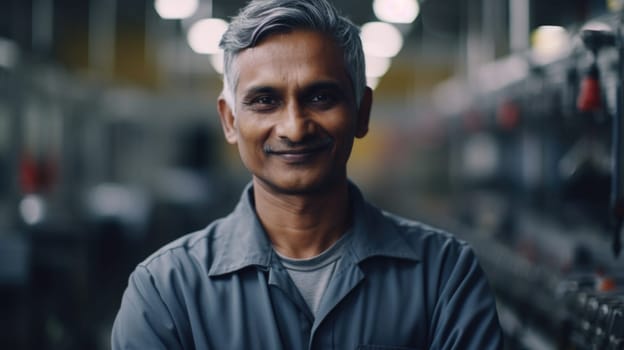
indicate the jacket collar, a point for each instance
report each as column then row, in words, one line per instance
column 240, row 240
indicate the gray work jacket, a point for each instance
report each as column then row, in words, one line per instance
column 400, row 285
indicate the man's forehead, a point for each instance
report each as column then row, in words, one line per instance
column 286, row 55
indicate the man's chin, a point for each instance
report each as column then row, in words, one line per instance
column 297, row 187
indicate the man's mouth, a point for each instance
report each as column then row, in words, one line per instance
column 300, row 152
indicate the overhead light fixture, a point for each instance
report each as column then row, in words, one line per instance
column 205, row 34
column 176, row 9
column 396, row 11
column 550, row 43
column 381, row 39
column 376, row 66
column 216, row 60
column 372, row 82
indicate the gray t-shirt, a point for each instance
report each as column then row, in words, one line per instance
column 312, row 275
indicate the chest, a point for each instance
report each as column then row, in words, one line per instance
column 362, row 306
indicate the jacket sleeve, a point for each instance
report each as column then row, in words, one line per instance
column 143, row 320
column 465, row 314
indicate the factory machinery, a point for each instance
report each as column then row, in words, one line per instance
column 93, row 177
column 536, row 154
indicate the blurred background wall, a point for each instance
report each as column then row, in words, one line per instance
column 499, row 120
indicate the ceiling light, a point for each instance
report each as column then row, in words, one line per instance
column 204, row 35
column 396, row 11
column 176, row 9
column 216, row 60
column 376, row 66
column 372, row 82
column 549, row 43
column 381, row 39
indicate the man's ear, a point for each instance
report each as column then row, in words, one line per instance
column 363, row 113
column 228, row 120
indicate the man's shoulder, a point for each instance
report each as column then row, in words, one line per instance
column 426, row 239
column 191, row 248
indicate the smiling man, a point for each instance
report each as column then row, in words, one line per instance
column 303, row 261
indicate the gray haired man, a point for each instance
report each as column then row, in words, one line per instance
column 304, row 261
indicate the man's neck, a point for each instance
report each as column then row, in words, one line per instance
column 303, row 225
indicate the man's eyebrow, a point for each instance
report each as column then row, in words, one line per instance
column 324, row 85
column 257, row 90
column 333, row 85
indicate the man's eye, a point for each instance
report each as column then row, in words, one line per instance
column 323, row 99
column 262, row 103
column 264, row 100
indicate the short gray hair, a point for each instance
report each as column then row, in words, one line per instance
column 261, row 18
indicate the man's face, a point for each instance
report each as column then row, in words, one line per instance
column 295, row 118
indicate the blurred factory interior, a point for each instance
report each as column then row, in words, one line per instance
column 500, row 120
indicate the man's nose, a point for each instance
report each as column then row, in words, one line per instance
column 295, row 124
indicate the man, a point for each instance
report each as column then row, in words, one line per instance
column 304, row 262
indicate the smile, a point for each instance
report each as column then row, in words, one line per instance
column 300, row 153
